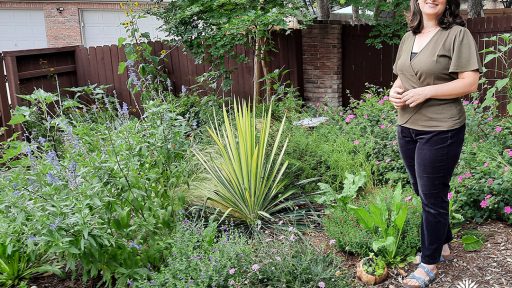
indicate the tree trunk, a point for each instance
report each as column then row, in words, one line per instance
column 356, row 18
column 475, row 8
column 257, row 72
column 324, row 10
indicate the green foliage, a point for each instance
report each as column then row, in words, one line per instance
column 145, row 70
column 210, row 30
column 482, row 181
column 360, row 137
column 388, row 226
column 472, row 240
column 350, row 186
column 17, row 266
column 102, row 195
column 249, row 178
column 387, row 17
column 498, row 52
column 386, row 222
column 201, row 258
column 290, row 262
column 232, row 259
column 374, row 265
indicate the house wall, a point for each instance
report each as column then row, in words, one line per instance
column 62, row 29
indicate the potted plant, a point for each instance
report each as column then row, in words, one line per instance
column 372, row 270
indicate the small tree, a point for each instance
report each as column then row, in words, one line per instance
column 387, row 17
column 210, row 30
column 475, row 8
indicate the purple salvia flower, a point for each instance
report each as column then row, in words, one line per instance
column 52, row 158
column 132, row 244
column 41, row 140
column 133, row 77
column 52, row 179
column 72, row 176
column 124, row 110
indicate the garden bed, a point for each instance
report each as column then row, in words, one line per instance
column 490, row 266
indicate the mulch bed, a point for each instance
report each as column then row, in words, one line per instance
column 489, row 267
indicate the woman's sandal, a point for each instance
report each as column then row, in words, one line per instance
column 422, row 282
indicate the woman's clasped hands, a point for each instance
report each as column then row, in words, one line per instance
column 411, row 98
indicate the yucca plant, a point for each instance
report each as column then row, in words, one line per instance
column 248, row 175
column 17, row 267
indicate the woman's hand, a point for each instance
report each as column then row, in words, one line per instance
column 395, row 97
column 416, row 96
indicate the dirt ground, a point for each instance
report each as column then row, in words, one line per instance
column 489, row 267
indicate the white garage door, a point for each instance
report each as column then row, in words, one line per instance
column 22, row 29
column 104, row 27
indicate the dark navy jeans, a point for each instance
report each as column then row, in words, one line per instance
column 430, row 158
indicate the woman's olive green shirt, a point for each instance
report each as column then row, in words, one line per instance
column 447, row 53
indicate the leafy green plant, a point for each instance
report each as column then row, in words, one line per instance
column 386, row 222
column 386, row 17
column 472, row 240
column 482, row 179
column 499, row 51
column 456, row 219
column 102, row 196
column 145, row 70
column 205, row 257
column 351, row 184
column 249, row 180
column 17, row 266
column 374, row 265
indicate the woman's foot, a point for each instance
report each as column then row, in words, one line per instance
column 422, row 277
column 445, row 255
column 446, row 251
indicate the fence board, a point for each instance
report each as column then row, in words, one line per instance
column 93, row 71
column 100, row 58
column 5, row 115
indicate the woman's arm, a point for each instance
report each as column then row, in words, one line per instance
column 466, row 83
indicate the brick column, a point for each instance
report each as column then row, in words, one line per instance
column 62, row 29
column 321, row 57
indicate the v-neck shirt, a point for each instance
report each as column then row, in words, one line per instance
column 445, row 54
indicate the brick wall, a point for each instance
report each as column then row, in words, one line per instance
column 321, row 44
column 62, row 29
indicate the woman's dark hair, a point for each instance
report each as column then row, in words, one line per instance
column 448, row 19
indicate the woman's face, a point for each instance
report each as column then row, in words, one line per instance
column 432, row 8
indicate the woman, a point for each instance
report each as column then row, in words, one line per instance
column 436, row 64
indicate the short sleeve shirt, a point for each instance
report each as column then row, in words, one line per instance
column 448, row 52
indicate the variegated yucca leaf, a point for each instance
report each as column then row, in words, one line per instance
column 248, row 175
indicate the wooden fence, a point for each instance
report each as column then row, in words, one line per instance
column 54, row 69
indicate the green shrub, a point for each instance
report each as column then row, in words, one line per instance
column 295, row 263
column 351, row 237
column 482, row 181
column 105, row 197
column 203, row 258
